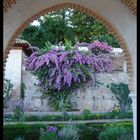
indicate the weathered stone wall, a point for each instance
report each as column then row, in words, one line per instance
column 33, row 101
column 88, row 97
column 99, row 98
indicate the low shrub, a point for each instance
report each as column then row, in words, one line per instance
column 90, row 131
column 65, row 116
column 31, row 118
column 115, row 131
column 29, row 132
column 86, row 131
column 126, row 137
column 69, row 132
column 49, row 134
column 18, row 111
column 86, row 111
column 8, row 87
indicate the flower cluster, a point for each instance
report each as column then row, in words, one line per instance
column 97, row 47
column 59, row 69
column 52, row 129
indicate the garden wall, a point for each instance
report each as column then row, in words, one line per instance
column 99, row 98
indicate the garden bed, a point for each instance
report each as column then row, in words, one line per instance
column 86, row 131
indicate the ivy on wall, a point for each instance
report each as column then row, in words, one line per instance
column 121, row 91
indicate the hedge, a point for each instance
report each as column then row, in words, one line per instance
column 32, row 132
column 66, row 117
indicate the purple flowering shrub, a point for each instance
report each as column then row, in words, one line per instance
column 68, row 132
column 62, row 70
column 97, row 47
column 52, row 129
column 49, row 134
column 59, row 69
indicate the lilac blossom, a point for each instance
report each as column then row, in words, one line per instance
column 97, row 47
column 100, row 47
column 52, row 129
column 60, row 69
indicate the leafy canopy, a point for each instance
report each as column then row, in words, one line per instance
column 67, row 24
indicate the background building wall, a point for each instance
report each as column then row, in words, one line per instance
column 12, row 72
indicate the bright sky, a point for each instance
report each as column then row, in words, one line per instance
column 35, row 23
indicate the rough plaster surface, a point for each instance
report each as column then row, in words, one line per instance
column 89, row 97
column 13, row 69
column 13, row 73
column 99, row 98
column 33, row 101
column 112, row 10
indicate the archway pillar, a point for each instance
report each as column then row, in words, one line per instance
column 134, row 106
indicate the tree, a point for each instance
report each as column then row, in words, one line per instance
column 34, row 35
column 121, row 92
column 67, row 24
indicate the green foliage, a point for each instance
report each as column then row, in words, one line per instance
column 86, row 131
column 29, row 132
column 7, row 91
column 126, row 137
column 18, row 114
column 60, row 101
column 19, row 138
column 47, row 47
column 49, row 136
column 67, row 24
column 86, row 112
column 66, row 117
column 45, row 135
column 68, row 45
column 69, row 132
column 41, row 73
column 34, row 35
column 121, row 92
column 90, row 131
column 23, row 87
column 99, row 32
column 113, row 133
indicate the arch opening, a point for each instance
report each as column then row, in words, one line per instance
column 88, row 12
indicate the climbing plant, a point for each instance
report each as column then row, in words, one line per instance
column 7, row 90
column 61, row 70
column 23, row 87
column 121, row 92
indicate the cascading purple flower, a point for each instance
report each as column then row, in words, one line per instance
column 60, row 69
column 100, row 47
column 52, row 129
column 97, row 47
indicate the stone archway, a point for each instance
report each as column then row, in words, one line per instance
column 89, row 12
column 129, row 56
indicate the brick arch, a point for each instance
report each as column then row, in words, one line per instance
column 88, row 12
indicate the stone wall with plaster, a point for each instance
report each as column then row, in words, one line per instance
column 93, row 98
